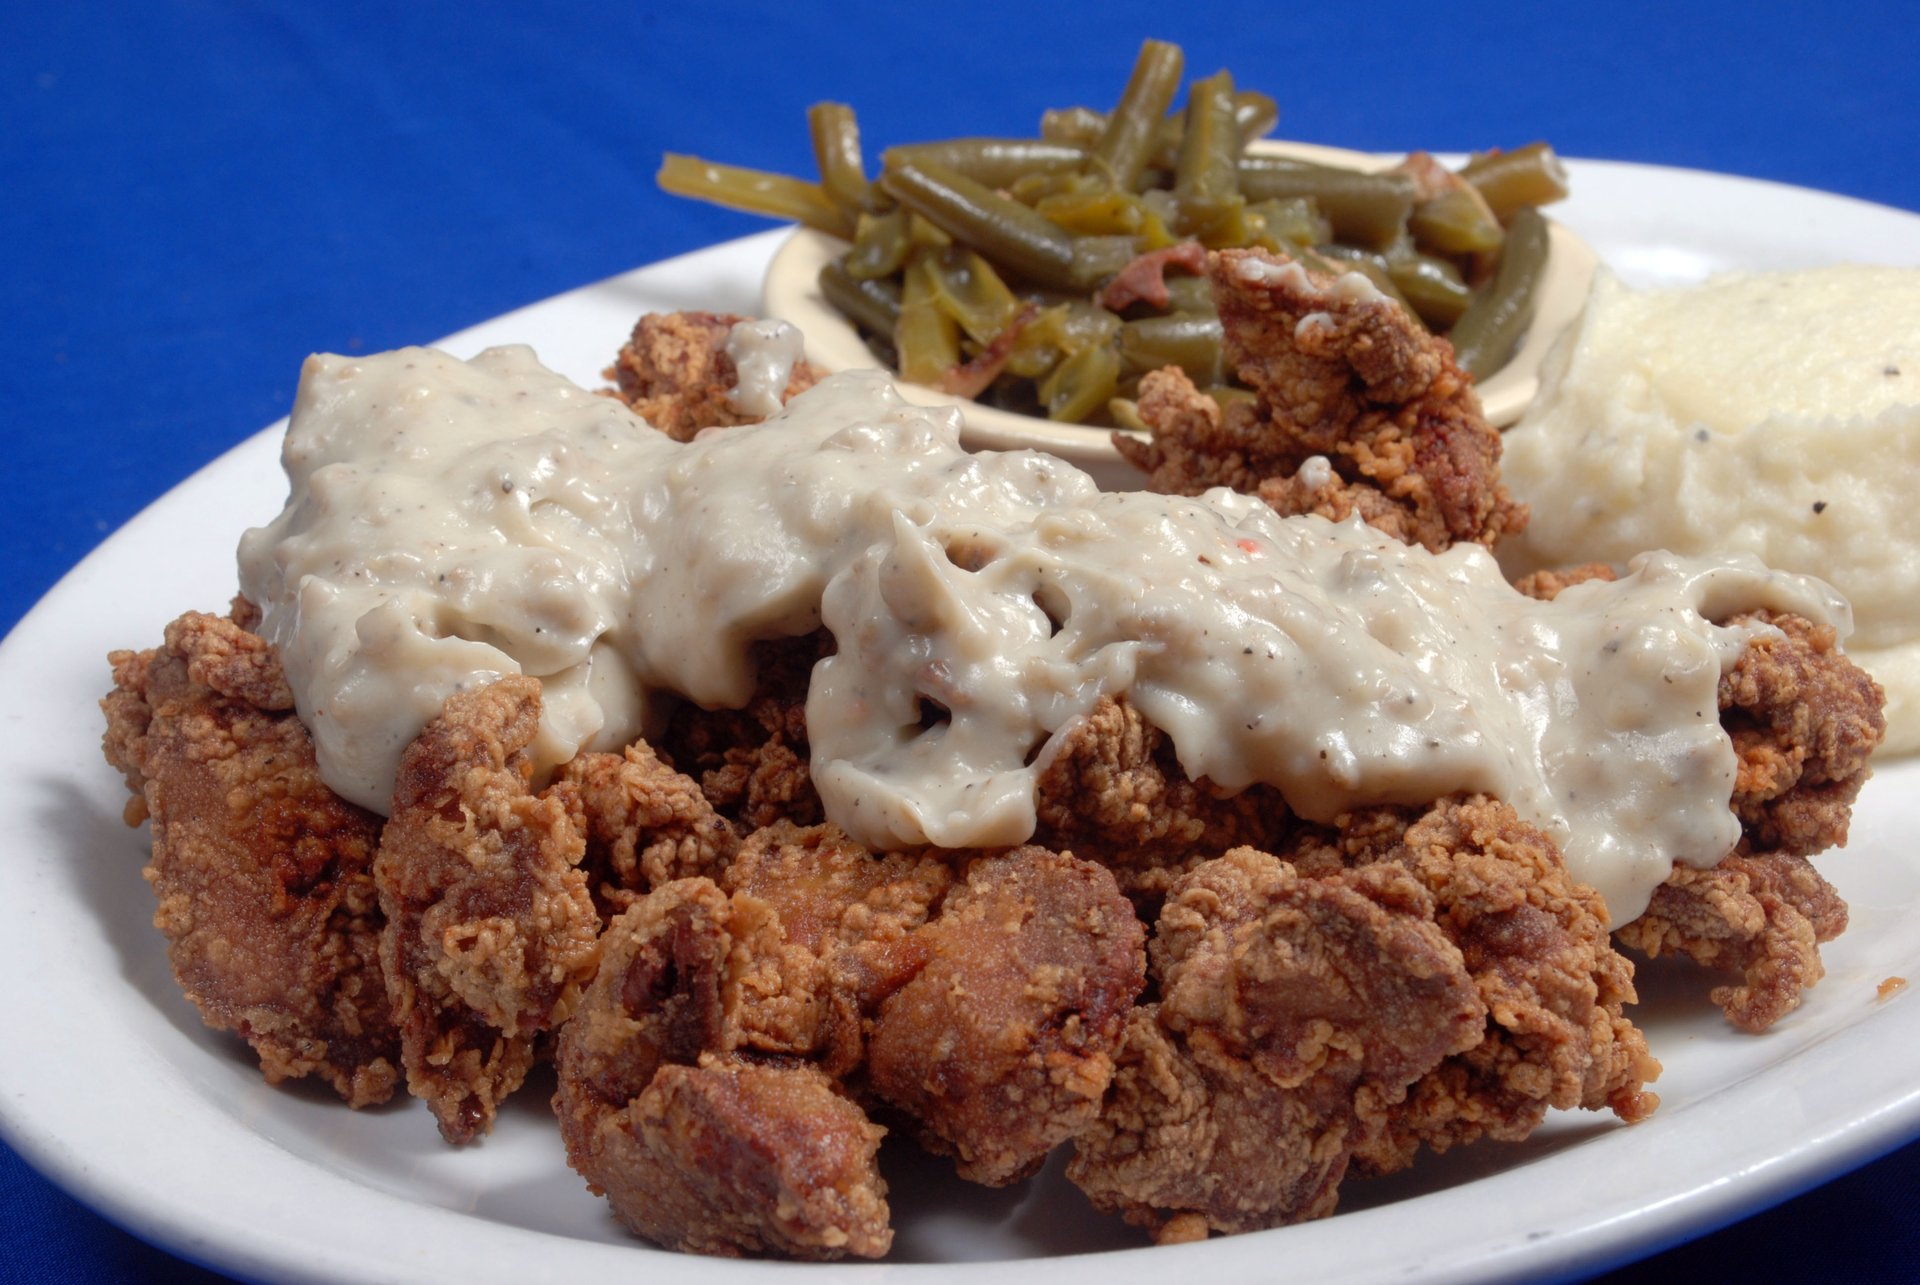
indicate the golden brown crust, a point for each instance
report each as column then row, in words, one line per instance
column 1334, row 374
column 675, row 373
column 1116, row 794
column 1001, row 1046
column 263, row 874
column 490, row 930
column 1536, row 943
column 1293, row 1009
column 645, row 824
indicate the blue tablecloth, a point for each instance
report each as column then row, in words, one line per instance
column 196, row 193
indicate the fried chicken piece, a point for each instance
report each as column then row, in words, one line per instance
column 490, row 930
column 263, row 874
column 1116, row 792
column 1002, row 1046
column 675, row 373
column 1338, row 372
column 645, row 824
column 1535, row 941
column 732, row 1158
column 752, row 763
column 1294, row 1009
column 666, row 1109
column 1763, row 917
column 856, row 910
column 1805, row 721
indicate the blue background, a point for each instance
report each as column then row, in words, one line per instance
column 193, row 196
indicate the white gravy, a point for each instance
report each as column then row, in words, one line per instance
column 454, row 521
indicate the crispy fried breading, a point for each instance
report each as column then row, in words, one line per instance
column 854, row 909
column 675, row 373
column 1339, row 373
column 263, row 874
column 695, row 1147
column 1762, row 916
column 1001, row 1046
column 645, row 824
column 1294, row 1009
column 1116, row 794
column 752, row 762
column 490, row 930
column 1804, row 720
column 734, row 1158
column 1535, row 942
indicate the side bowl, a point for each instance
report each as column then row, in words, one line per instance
column 791, row 292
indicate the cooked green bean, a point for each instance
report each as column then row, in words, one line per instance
column 1487, row 331
column 997, row 226
column 966, row 288
column 1433, row 286
column 1206, row 179
column 996, row 162
column 1189, row 341
column 1127, row 141
column 873, row 305
column 1254, row 116
column 1081, row 384
column 1189, row 294
column 925, row 337
column 836, row 150
column 990, row 259
column 1455, row 222
column 1096, row 258
column 881, row 243
column 778, row 195
column 1368, row 210
column 1284, row 222
column 1512, row 181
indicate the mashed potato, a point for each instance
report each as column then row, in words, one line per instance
column 1775, row 413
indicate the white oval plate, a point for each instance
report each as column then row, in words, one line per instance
column 112, row 1087
column 791, row 292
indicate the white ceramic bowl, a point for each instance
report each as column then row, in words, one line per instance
column 791, row 293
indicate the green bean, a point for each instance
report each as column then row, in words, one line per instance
column 1206, row 180
column 1455, row 222
column 1280, row 223
column 1189, row 294
column 1254, row 116
column 836, row 150
column 997, row 226
column 1076, row 126
column 1096, row 258
column 881, row 243
column 778, row 195
column 966, row 288
column 1366, row 209
column 925, row 337
column 1487, row 331
column 1060, row 331
column 873, row 305
column 1127, row 141
column 1433, row 286
column 1099, row 211
column 996, row 162
column 1189, row 341
column 1512, row 181
column 1081, row 384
